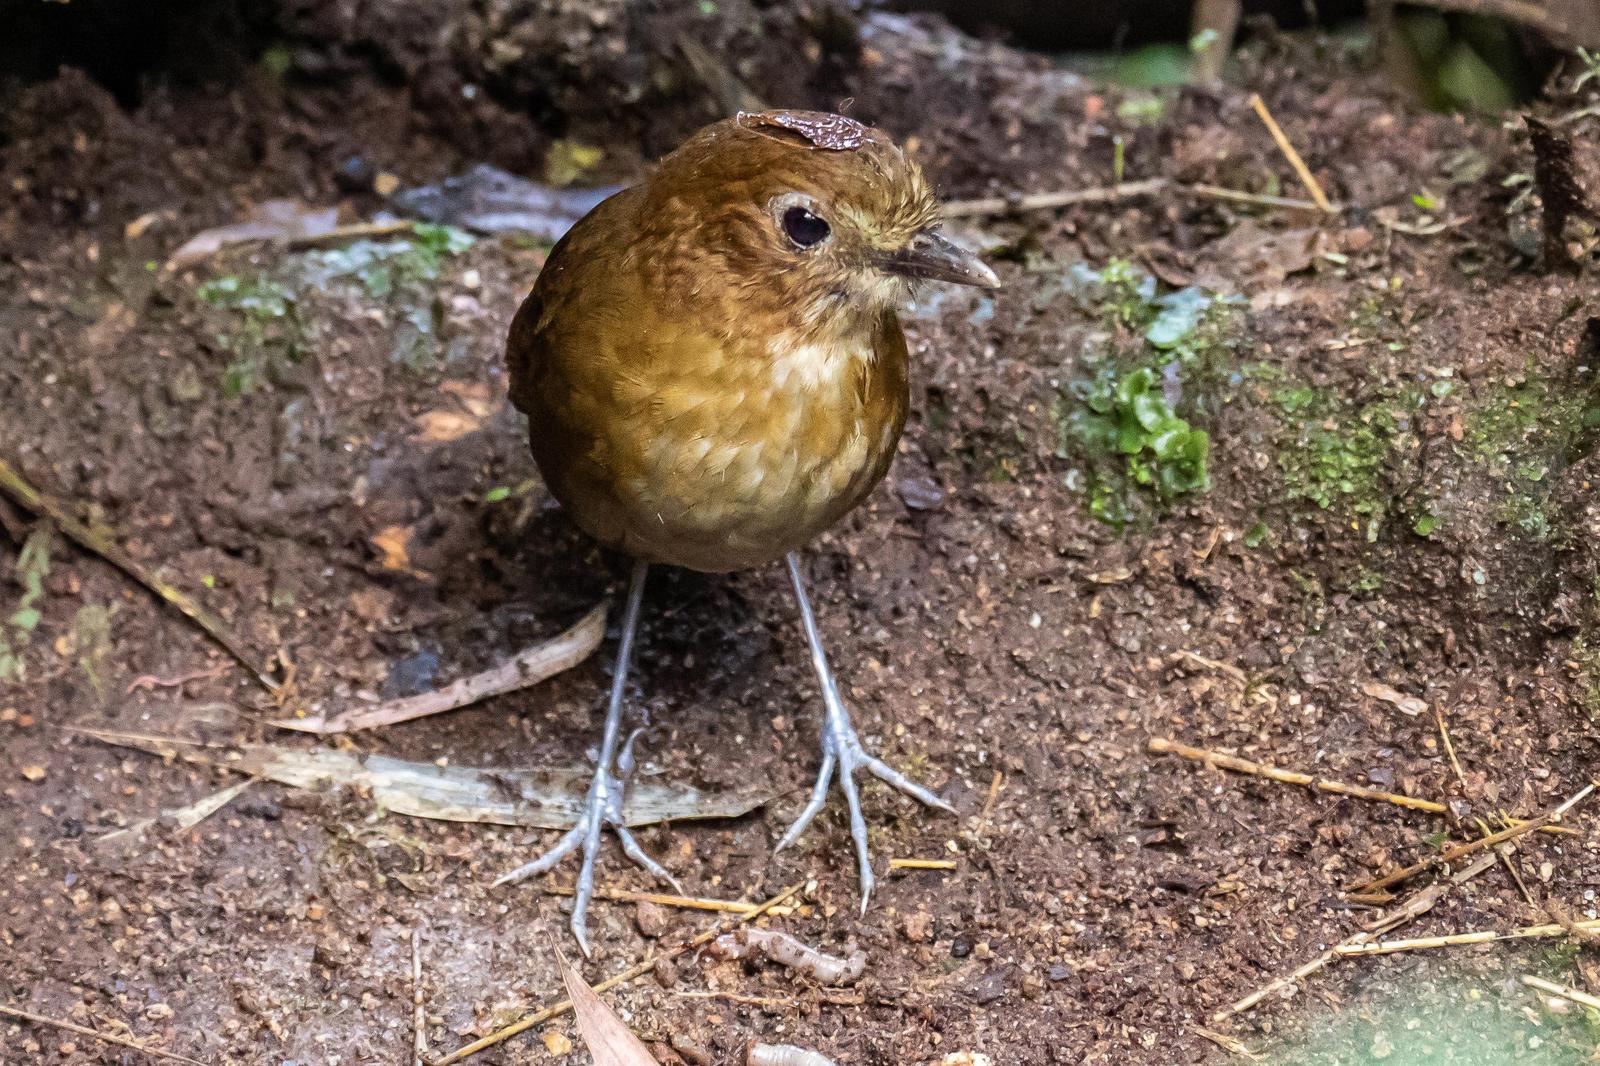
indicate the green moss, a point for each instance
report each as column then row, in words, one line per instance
column 265, row 323
column 1524, row 430
column 16, row 631
column 1335, row 454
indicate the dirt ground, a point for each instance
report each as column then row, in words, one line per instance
column 1401, row 417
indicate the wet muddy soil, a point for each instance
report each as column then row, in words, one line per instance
column 315, row 443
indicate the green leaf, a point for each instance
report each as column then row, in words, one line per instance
column 1170, row 444
column 1180, row 315
column 1257, row 535
column 496, row 494
column 1426, row 524
column 1151, row 411
column 1134, row 384
column 27, row 619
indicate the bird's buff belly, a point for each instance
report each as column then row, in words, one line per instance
column 681, row 491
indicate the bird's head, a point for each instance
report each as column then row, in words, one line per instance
column 811, row 214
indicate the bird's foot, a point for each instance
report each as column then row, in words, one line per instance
column 842, row 752
column 602, row 807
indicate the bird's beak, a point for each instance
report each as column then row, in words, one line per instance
column 935, row 258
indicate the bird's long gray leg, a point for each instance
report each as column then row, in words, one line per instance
column 604, row 803
column 842, row 750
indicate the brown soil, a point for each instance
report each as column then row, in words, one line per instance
column 1111, row 900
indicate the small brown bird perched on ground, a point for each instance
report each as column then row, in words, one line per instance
column 713, row 374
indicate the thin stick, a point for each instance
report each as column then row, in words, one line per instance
column 693, row 903
column 1449, row 748
column 120, row 1041
column 735, row 997
column 1571, row 995
column 1162, row 746
column 1411, row 909
column 419, row 1016
column 351, row 232
column 528, row 667
column 996, row 783
column 1308, row 179
column 1128, row 190
column 1482, row 936
column 1507, row 853
column 922, row 864
column 631, row 973
column 1048, row 201
column 1232, row 1045
column 1259, row 199
column 18, row 488
column 1460, row 850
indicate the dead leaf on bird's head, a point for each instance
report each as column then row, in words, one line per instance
column 610, row 1041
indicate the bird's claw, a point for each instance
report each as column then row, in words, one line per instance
column 842, row 752
column 602, row 807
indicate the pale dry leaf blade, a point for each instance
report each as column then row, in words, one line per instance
column 609, row 1039
column 1399, row 700
column 534, row 798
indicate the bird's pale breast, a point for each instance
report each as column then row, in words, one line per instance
column 728, row 462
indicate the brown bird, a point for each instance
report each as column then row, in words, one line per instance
column 714, row 373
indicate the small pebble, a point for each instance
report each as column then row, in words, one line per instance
column 651, row 918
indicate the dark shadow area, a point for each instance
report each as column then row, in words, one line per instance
column 123, row 46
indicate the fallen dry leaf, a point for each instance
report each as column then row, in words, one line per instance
column 1405, row 704
column 474, row 395
column 438, row 427
column 536, row 798
column 271, row 220
column 610, row 1041
column 33, row 772
column 393, row 544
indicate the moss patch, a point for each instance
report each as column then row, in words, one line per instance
column 1335, row 454
column 1526, row 432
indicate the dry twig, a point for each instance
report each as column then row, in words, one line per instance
column 1449, row 748
column 693, row 903
column 1419, row 904
column 631, row 973
column 1308, row 179
column 527, row 667
column 1232, row 1045
column 1103, row 194
column 1461, row 850
column 13, row 484
column 922, row 864
column 996, row 783
column 1162, row 746
column 1571, row 995
column 419, row 1017
column 1049, row 201
column 1453, row 940
column 81, row 1030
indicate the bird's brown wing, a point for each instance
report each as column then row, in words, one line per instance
column 523, row 350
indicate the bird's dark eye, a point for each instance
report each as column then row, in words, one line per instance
column 804, row 228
